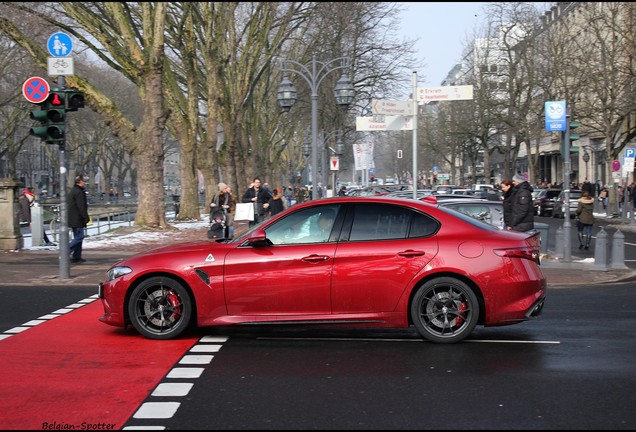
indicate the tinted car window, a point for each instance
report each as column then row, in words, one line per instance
column 383, row 222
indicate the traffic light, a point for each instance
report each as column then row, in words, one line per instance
column 56, row 115
column 74, row 100
column 573, row 124
column 51, row 117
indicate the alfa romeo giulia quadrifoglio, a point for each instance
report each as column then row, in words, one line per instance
column 361, row 262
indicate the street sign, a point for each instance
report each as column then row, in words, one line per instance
column 443, row 93
column 392, row 107
column 59, row 66
column 555, row 116
column 630, row 153
column 392, row 123
column 60, row 45
column 36, row 89
column 334, row 163
column 616, row 165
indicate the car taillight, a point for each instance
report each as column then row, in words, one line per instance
column 529, row 253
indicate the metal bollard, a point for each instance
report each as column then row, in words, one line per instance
column 601, row 245
column 37, row 225
column 618, row 251
column 559, row 249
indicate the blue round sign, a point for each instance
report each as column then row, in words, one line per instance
column 60, row 45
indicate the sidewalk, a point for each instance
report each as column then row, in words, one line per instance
column 39, row 266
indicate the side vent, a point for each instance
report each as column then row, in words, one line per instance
column 203, row 275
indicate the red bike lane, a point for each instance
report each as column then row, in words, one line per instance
column 74, row 372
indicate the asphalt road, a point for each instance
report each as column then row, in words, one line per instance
column 572, row 368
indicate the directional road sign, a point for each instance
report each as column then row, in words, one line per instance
column 444, row 93
column 390, row 123
column 60, row 45
column 36, row 89
column 392, row 107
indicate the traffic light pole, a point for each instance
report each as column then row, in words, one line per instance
column 64, row 238
column 567, row 225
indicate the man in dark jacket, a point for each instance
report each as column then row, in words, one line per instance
column 77, row 218
column 260, row 197
column 522, row 206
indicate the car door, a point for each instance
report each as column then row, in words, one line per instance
column 381, row 248
column 290, row 277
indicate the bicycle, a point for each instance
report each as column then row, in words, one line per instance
column 55, row 222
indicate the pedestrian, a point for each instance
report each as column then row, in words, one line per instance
column 507, row 189
column 585, row 219
column 223, row 201
column 342, row 191
column 602, row 197
column 518, row 206
column 277, row 203
column 260, row 197
column 588, row 187
column 78, row 218
column 26, row 201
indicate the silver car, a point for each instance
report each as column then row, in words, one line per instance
column 559, row 209
column 484, row 210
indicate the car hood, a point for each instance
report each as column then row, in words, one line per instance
column 198, row 248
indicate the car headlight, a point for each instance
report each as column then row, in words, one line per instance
column 116, row 272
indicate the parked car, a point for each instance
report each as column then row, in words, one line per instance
column 409, row 193
column 381, row 263
column 447, row 196
column 559, row 204
column 370, row 191
column 481, row 209
column 465, row 192
column 544, row 200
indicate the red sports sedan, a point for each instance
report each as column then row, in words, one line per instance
column 345, row 261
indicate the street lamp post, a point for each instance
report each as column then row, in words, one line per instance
column 586, row 159
column 314, row 73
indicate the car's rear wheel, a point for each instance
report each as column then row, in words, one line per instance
column 160, row 308
column 445, row 310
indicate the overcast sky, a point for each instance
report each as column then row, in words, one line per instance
column 442, row 29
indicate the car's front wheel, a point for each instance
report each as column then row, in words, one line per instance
column 445, row 310
column 160, row 308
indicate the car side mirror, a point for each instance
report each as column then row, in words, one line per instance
column 259, row 239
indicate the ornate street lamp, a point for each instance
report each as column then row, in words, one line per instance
column 314, row 73
column 586, row 159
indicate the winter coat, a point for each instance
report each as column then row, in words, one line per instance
column 262, row 197
column 77, row 207
column 585, row 210
column 24, row 209
column 522, row 217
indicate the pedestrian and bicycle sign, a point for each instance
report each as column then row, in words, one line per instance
column 36, row 89
column 60, row 45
